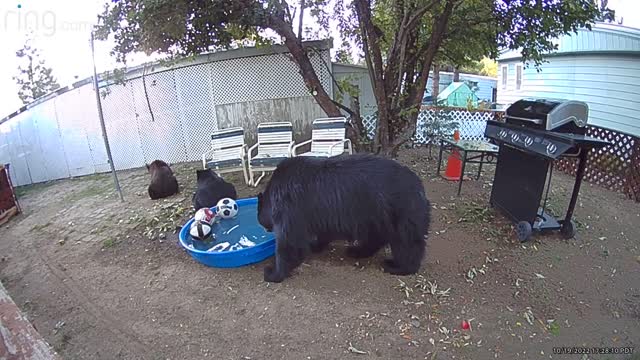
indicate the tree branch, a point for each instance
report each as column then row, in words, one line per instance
column 398, row 41
column 333, row 78
column 311, row 80
column 345, row 108
column 408, row 24
column 420, row 12
column 372, row 50
column 468, row 25
column 429, row 54
column 407, row 66
column 431, row 50
column 364, row 12
column 300, row 21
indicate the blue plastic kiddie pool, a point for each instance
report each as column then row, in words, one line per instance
column 244, row 225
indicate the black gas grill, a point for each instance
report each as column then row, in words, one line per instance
column 536, row 132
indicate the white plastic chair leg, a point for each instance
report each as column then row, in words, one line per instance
column 246, row 176
column 260, row 178
column 251, row 180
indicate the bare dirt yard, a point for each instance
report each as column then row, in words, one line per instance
column 101, row 279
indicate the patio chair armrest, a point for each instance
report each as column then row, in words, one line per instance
column 209, row 153
column 341, row 142
column 291, row 145
column 251, row 150
column 349, row 145
column 204, row 157
column 244, row 152
column 293, row 149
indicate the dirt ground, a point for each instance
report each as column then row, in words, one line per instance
column 100, row 279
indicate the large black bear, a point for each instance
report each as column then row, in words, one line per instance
column 211, row 189
column 163, row 182
column 365, row 199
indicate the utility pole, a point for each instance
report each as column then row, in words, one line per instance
column 101, row 116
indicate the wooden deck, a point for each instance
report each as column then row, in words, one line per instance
column 18, row 338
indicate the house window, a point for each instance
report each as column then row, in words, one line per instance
column 504, row 76
column 518, row 76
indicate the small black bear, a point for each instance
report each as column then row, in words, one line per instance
column 211, row 189
column 163, row 182
column 367, row 200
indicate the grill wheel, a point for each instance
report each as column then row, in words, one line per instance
column 523, row 230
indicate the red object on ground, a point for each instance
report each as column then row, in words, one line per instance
column 454, row 164
column 465, row 325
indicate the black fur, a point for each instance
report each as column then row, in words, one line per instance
column 211, row 189
column 163, row 182
column 367, row 200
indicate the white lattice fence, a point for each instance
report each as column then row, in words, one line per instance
column 432, row 121
column 173, row 119
column 120, row 117
column 262, row 78
column 160, row 128
column 169, row 115
column 194, row 90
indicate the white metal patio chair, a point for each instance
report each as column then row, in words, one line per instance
column 275, row 142
column 227, row 152
column 328, row 137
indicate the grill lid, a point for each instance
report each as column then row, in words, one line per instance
column 548, row 114
column 532, row 108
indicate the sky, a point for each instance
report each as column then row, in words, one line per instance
column 62, row 33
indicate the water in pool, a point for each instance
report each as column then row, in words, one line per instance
column 242, row 231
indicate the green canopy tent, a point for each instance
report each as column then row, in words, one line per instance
column 457, row 94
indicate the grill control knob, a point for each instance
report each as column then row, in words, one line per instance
column 551, row 149
column 502, row 133
column 515, row 137
column 528, row 141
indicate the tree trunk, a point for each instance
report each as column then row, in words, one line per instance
column 436, row 83
column 311, row 80
column 306, row 68
column 384, row 149
column 415, row 99
column 357, row 130
column 373, row 57
column 381, row 140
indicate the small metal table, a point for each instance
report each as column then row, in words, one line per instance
column 469, row 151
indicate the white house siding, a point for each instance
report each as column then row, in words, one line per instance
column 602, row 38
